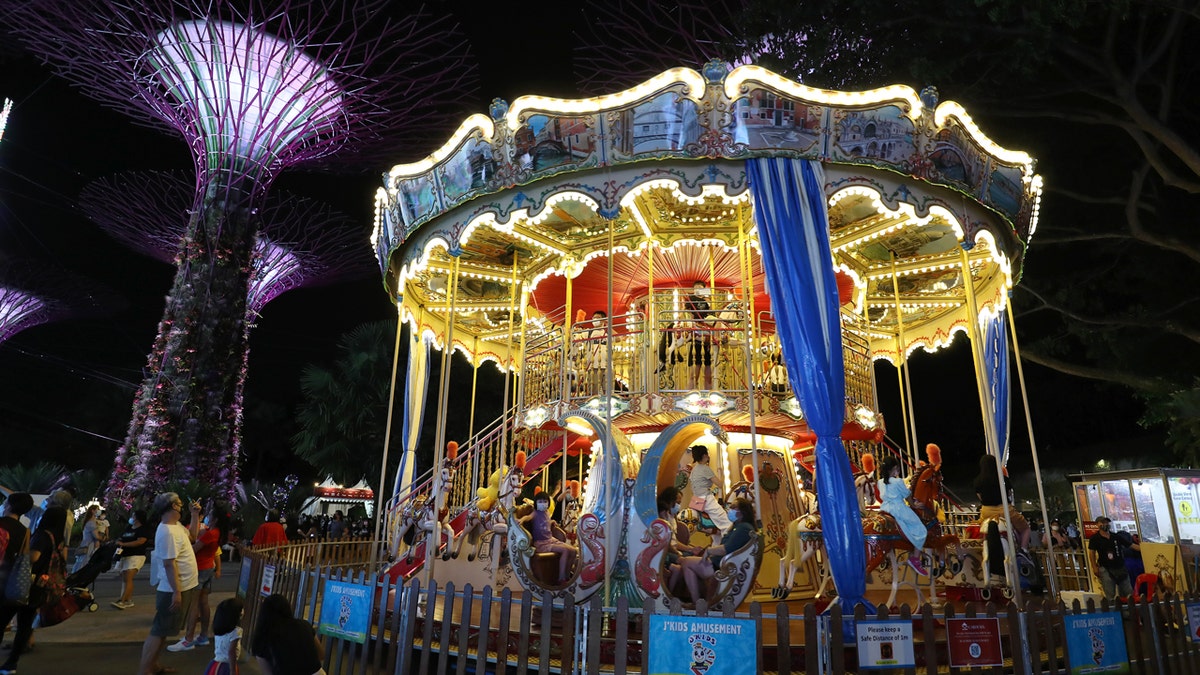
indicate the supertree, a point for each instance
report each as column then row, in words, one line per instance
column 301, row 242
column 254, row 88
column 32, row 294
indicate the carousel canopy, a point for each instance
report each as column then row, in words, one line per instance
column 535, row 200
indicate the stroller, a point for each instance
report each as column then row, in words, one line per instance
column 79, row 581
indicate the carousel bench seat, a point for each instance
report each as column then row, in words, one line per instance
column 544, row 567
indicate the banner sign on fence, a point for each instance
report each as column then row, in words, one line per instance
column 244, row 579
column 695, row 645
column 267, row 586
column 1193, row 614
column 346, row 611
column 885, row 643
column 1096, row 643
column 974, row 642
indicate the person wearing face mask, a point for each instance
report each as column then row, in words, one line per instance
column 544, row 540
column 207, row 546
column 894, row 502
column 699, row 568
column 133, row 543
column 668, row 509
column 1108, row 561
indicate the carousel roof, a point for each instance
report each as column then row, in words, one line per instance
column 522, row 205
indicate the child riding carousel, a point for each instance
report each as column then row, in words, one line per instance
column 894, row 496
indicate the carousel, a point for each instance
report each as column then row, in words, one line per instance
column 686, row 285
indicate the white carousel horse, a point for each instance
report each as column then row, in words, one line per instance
column 482, row 525
column 404, row 525
column 803, row 542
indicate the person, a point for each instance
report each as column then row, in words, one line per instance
column 17, row 505
column 227, row 637
column 991, row 500
column 703, row 482
column 174, row 566
column 44, row 547
column 63, row 498
column 91, row 538
column 1057, row 537
column 544, row 540
column 705, row 565
column 337, row 526
column 595, row 354
column 102, row 524
column 700, row 350
column 1108, row 561
column 207, row 548
column 283, row 644
column 271, row 532
column 133, row 543
column 1073, row 535
column 668, row 507
column 893, row 501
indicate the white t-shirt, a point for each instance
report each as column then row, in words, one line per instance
column 702, row 480
column 173, row 542
column 221, row 645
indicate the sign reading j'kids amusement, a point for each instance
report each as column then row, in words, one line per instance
column 346, row 611
column 1096, row 643
column 700, row 645
column 885, row 643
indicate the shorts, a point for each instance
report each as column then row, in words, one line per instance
column 131, row 562
column 997, row 512
column 168, row 622
column 700, row 351
column 206, row 578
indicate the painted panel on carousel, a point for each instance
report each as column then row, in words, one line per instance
column 418, row 197
column 1005, row 190
column 468, row 171
column 765, row 120
column 882, row 136
column 955, row 158
column 663, row 126
column 547, row 144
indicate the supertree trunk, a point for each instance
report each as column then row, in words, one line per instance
column 187, row 409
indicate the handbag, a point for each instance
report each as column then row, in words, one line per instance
column 58, row 611
column 20, row 577
column 697, row 503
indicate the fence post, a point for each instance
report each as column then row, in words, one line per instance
column 485, row 631
column 783, row 640
column 595, row 622
column 1018, row 627
column 445, row 628
column 621, row 636
column 502, row 639
column 464, row 630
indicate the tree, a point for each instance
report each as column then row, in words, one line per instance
column 343, row 416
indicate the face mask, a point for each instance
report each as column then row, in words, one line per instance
column 674, row 509
column 1104, row 527
column 1054, row 528
column 542, row 506
column 131, row 521
column 208, row 522
column 734, row 514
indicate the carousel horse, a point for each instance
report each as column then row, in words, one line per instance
column 866, row 485
column 803, row 541
column 404, row 528
column 884, row 539
column 514, row 480
column 484, row 519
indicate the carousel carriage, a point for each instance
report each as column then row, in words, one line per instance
column 714, row 258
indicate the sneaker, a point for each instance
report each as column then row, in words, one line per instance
column 915, row 563
column 181, row 646
column 118, row 604
column 202, row 641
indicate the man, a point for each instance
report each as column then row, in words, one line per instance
column 178, row 578
column 1108, row 561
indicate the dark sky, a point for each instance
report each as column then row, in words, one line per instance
column 66, row 388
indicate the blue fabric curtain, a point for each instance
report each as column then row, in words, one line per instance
column 793, row 229
column 995, row 362
column 415, row 393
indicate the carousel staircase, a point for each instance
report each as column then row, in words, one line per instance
column 474, row 464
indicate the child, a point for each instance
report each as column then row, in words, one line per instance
column 894, row 502
column 227, row 640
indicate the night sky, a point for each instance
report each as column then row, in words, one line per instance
column 66, row 388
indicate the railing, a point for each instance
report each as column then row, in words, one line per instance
column 434, row 629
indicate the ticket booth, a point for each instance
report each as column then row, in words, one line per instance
column 1161, row 506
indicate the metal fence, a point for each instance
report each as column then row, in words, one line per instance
column 416, row 628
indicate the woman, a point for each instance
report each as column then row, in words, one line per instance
column 283, row 644
column 91, row 537
column 703, row 481
column 698, row 568
column 668, row 507
column 43, row 547
column 893, row 495
column 133, row 545
column 991, row 500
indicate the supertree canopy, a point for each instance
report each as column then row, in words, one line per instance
column 301, row 242
column 32, row 294
column 253, row 88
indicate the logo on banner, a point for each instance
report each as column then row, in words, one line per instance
column 703, row 656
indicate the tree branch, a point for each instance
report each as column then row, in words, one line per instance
column 1133, row 381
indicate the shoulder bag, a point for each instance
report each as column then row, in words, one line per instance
column 20, row 577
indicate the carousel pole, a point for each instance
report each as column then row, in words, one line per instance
column 443, row 398
column 508, row 348
column 520, row 383
column 387, row 437
column 1037, row 469
column 611, row 542
column 744, row 273
column 902, row 373
column 977, row 359
column 651, row 324
column 471, row 420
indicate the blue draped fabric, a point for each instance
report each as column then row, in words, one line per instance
column 995, row 362
column 415, row 393
column 793, row 230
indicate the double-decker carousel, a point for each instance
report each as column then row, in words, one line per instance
column 707, row 259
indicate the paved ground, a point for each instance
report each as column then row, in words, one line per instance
column 109, row 641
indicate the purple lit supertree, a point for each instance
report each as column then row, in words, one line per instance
column 300, row 242
column 254, row 88
column 32, row 294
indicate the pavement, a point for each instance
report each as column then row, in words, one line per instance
column 109, row 640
